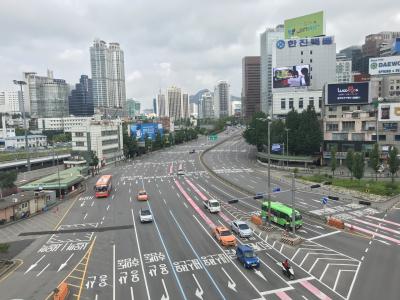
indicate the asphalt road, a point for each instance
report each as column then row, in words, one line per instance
column 175, row 257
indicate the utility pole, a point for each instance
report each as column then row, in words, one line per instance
column 293, row 208
column 287, row 146
column 21, row 101
column 269, row 171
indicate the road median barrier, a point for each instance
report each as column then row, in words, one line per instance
column 334, row 222
column 290, row 240
column 256, row 220
column 363, row 202
column 61, row 292
column 336, row 198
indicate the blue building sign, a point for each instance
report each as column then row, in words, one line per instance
column 315, row 41
column 150, row 129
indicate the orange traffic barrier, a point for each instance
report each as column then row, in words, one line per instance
column 336, row 223
column 256, row 220
column 61, row 292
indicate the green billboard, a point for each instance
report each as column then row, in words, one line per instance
column 305, row 26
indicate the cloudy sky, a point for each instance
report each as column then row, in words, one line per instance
column 187, row 43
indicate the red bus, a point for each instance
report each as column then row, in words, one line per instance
column 103, row 186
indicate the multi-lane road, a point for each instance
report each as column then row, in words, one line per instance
column 109, row 254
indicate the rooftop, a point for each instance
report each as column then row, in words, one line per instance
column 16, row 199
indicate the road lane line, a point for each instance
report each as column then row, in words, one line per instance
column 197, row 255
column 323, row 235
column 140, row 255
column 377, row 226
column 113, row 291
column 38, row 274
column 351, row 226
column 314, row 290
column 383, row 220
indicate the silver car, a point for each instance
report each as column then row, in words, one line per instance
column 241, row 228
column 145, row 215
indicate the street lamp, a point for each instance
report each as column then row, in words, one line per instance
column 287, row 145
column 376, row 104
column 21, row 100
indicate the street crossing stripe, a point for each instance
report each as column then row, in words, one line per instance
column 383, row 220
column 277, row 290
column 314, row 290
column 377, row 226
column 323, row 235
column 373, row 233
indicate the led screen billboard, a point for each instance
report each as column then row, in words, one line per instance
column 150, row 129
column 295, row 76
column 348, row 93
column 305, row 26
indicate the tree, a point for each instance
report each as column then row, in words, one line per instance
column 374, row 160
column 7, row 180
column 158, row 141
column 333, row 164
column 256, row 133
column 358, row 166
column 349, row 161
column 393, row 162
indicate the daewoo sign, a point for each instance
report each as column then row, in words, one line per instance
column 384, row 65
column 347, row 93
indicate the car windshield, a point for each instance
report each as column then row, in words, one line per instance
column 298, row 217
column 243, row 226
column 145, row 212
column 214, row 204
column 142, row 193
column 102, row 188
column 225, row 233
column 249, row 254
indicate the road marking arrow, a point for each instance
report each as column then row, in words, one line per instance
column 199, row 290
column 34, row 265
column 317, row 226
column 83, row 203
column 260, row 274
column 231, row 283
column 164, row 296
column 62, row 266
column 301, row 230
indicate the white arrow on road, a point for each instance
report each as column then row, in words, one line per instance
column 83, row 203
column 62, row 266
column 260, row 274
column 231, row 283
column 316, row 226
column 199, row 290
column 301, row 230
column 164, row 296
column 34, row 265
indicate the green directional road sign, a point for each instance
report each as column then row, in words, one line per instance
column 212, row 137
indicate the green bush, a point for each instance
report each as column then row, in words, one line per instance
column 4, row 247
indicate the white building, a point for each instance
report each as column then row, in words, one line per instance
column 236, row 108
column 9, row 102
column 267, row 41
column 6, row 131
column 297, row 100
column 104, row 137
column 108, row 74
column 314, row 62
column 18, row 142
column 343, row 69
column 221, row 99
column 174, row 99
column 65, row 124
column 185, row 106
column 194, row 109
column 206, row 109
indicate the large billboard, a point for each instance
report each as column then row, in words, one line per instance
column 295, row 76
column 384, row 65
column 150, row 129
column 389, row 112
column 348, row 93
column 305, row 26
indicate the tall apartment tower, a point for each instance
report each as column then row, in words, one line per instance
column 46, row 97
column 108, row 74
column 221, row 99
column 81, row 98
column 267, row 39
column 161, row 105
column 174, row 99
column 185, row 106
column 251, row 86
column 206, row 106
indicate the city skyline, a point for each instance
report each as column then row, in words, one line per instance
column 200, row 56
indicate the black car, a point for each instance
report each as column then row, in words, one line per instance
column 192, row 151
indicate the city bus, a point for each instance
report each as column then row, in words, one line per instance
column 281, row 214
column 103, row 186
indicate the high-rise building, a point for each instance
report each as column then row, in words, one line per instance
column 185, row 106
column 155, row 105
column 343, row 69
column 174, row 99
column 251, row 86
column 206, row 109
column 108, row 74
column 355, row 54
column 81, row 98
column 132, row 108
column 46, row 97
column 161, row 105
column 221, row 99
column 9, row 102
column 267, row 40
column 194, row 109
column 373, row 42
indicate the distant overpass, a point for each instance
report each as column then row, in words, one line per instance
column 36, row 163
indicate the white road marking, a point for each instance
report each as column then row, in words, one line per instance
column 324, row 235
column 114, row 286
column 38, row 274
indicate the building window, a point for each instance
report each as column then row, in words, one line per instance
column 397, row 138
column 319, row 103
column 300, row 103
column 357, row 136
column 348, row 125
column 332, row 127
column 291, row 103
column 332, row 108
column 345, row 108
column 311, row 103
column 340, row 136
column 79, row 134
column 301, row 52
column 310, row 51
column 302, row 61
column 80, row 144
column 389, row 127
column 283, row 104
column 310, row 60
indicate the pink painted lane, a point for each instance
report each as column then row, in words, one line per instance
column 283, row 296
column 171, row 168
column 314, row 290
column 194, row 205
column 383, row 220
column 377, row 226
column 354, row 227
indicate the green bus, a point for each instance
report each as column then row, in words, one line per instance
column 281, row 214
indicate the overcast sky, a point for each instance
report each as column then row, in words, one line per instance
column 187, row 43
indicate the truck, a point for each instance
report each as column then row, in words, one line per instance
column 212, row 205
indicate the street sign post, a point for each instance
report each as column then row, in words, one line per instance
column 212, row 137
column 324, row 202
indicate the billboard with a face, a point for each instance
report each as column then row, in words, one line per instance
column 140, row 131
column 348, row 93
column 294, row 76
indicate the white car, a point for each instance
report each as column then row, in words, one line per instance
column 181, row 172
column 241, row 228
column 212, row 205
column 145, row 215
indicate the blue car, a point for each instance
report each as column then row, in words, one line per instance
column 246, row 255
